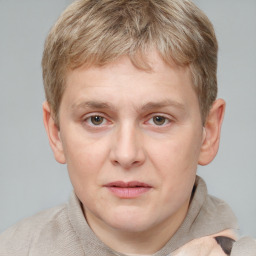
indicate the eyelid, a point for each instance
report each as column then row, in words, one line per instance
column 86, row 117
column 166, row 116
column 90, row 114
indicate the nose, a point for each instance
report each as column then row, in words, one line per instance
column 127, row 147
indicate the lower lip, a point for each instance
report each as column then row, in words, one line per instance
column 128, row 193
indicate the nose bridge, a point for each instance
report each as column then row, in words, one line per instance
column 127, row 149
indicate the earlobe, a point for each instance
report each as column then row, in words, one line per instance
column 53, row 134
column 212, row 130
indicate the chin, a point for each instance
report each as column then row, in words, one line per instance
column 131, row 227
column 130, row 222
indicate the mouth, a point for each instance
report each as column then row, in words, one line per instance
column 128, row 190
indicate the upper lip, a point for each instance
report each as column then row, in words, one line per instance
column 130, row 184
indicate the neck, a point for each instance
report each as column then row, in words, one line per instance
column 145, row 242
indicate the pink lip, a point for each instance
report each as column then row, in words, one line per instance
column 128, row 190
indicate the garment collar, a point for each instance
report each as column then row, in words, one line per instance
column 206, row 216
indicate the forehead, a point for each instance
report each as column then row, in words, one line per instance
column 121, row 80
column 151, row 66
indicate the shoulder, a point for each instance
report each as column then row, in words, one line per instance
column 212, row 215
column 42, row 230
column 219, row 208
column 244, row 246
column 36, row 222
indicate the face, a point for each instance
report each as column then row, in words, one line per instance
column 131, row 140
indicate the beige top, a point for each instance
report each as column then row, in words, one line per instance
column 63, row 231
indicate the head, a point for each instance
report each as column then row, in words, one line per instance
column 131, row 109
column 99, row 32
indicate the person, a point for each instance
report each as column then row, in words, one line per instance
column 131, row 108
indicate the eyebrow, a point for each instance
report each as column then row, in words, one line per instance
column 146, row 107
column 92, row 104
column 161, row 104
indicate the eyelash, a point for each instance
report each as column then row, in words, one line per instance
column 88, row 120
column 165, row 120
column 105, row 121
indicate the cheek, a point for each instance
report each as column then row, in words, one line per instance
column 187, row 149
column 85, row 159
column 84, row 164
column 176, row 158
column 79, row 149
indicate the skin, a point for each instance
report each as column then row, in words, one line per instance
column 119, row 123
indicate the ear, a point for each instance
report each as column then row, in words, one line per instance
column 212, row 130
column 53, row 134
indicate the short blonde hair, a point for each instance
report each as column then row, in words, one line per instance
column 97, row 32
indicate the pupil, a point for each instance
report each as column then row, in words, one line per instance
column 159, row 120
column 97, row 120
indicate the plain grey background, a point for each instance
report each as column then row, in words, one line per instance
column 31, row 180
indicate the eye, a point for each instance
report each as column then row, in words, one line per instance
column 96, row 120
column 159, row 120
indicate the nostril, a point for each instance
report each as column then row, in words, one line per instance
column 135, row 163
column 126, row 165
column 115, row 162
column 126, row 153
